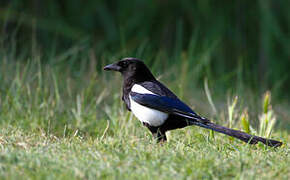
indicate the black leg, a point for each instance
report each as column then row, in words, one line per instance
column 159, row 135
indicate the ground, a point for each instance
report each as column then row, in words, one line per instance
column 59, row 124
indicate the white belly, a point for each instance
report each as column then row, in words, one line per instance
column 144, row 114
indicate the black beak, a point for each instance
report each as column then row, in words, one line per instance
column 112, row 67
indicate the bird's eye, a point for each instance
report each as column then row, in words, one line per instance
column 124, row 64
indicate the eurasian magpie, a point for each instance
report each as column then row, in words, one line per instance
column 160, row 110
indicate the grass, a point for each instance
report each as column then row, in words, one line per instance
column 62, row 121
column 189, row 154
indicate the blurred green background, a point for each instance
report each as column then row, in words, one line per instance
column 235, row 44
column 228, row 60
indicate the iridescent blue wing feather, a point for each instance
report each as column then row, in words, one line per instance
column 165, row 104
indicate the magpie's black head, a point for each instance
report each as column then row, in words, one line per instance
column 131, row 68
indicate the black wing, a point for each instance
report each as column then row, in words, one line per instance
column 166, row 104
column 158, row 88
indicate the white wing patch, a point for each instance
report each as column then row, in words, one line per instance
column 144, row 114
column 140, row 89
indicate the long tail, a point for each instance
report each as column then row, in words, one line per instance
column 251, row 139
